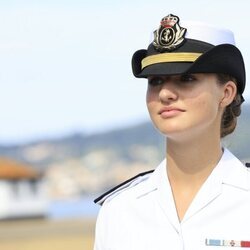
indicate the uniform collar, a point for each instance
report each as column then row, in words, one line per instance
column 229, row 171
column 233, row 172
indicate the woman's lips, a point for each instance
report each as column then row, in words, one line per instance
column 168, row 112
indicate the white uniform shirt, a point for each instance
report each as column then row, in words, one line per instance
column 144, row 217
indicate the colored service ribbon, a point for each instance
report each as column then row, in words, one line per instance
column 227, row 243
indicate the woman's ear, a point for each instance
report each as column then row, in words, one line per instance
column 229, row 93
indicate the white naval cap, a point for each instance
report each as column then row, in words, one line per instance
column 180, row 47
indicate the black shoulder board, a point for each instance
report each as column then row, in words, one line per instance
column 248, row 164
column 119, row 187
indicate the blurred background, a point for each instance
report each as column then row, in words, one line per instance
column 73, row 120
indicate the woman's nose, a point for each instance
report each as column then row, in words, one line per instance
column 167, row 93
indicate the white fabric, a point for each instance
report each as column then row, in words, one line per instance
column 209, row 34
column 144, row 217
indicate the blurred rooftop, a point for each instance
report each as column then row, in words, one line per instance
column 10, row 169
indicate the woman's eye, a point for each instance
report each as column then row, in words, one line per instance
column 187, row 78
column 155, row 81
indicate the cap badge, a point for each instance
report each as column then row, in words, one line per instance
column 170, row 34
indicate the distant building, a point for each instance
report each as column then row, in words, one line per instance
column 22, row 191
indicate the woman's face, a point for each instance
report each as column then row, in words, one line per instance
column 185, row 104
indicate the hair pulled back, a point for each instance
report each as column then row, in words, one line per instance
column 232, row 111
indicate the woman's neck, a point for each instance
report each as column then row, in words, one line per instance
column 192, row 161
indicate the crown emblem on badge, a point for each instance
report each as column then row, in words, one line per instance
column 169, row 21
column 170, row 34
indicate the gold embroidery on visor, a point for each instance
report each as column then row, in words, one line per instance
column 169, row 57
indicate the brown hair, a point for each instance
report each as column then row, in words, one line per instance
column 232, row 111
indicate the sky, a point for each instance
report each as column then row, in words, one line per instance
column 65, row 65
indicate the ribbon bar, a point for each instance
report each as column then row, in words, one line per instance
column 227, row 243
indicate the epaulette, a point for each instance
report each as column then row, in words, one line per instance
column 124, row 185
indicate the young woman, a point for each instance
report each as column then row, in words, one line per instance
column 199, row 196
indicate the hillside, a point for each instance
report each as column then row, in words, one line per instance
column 43, row 152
